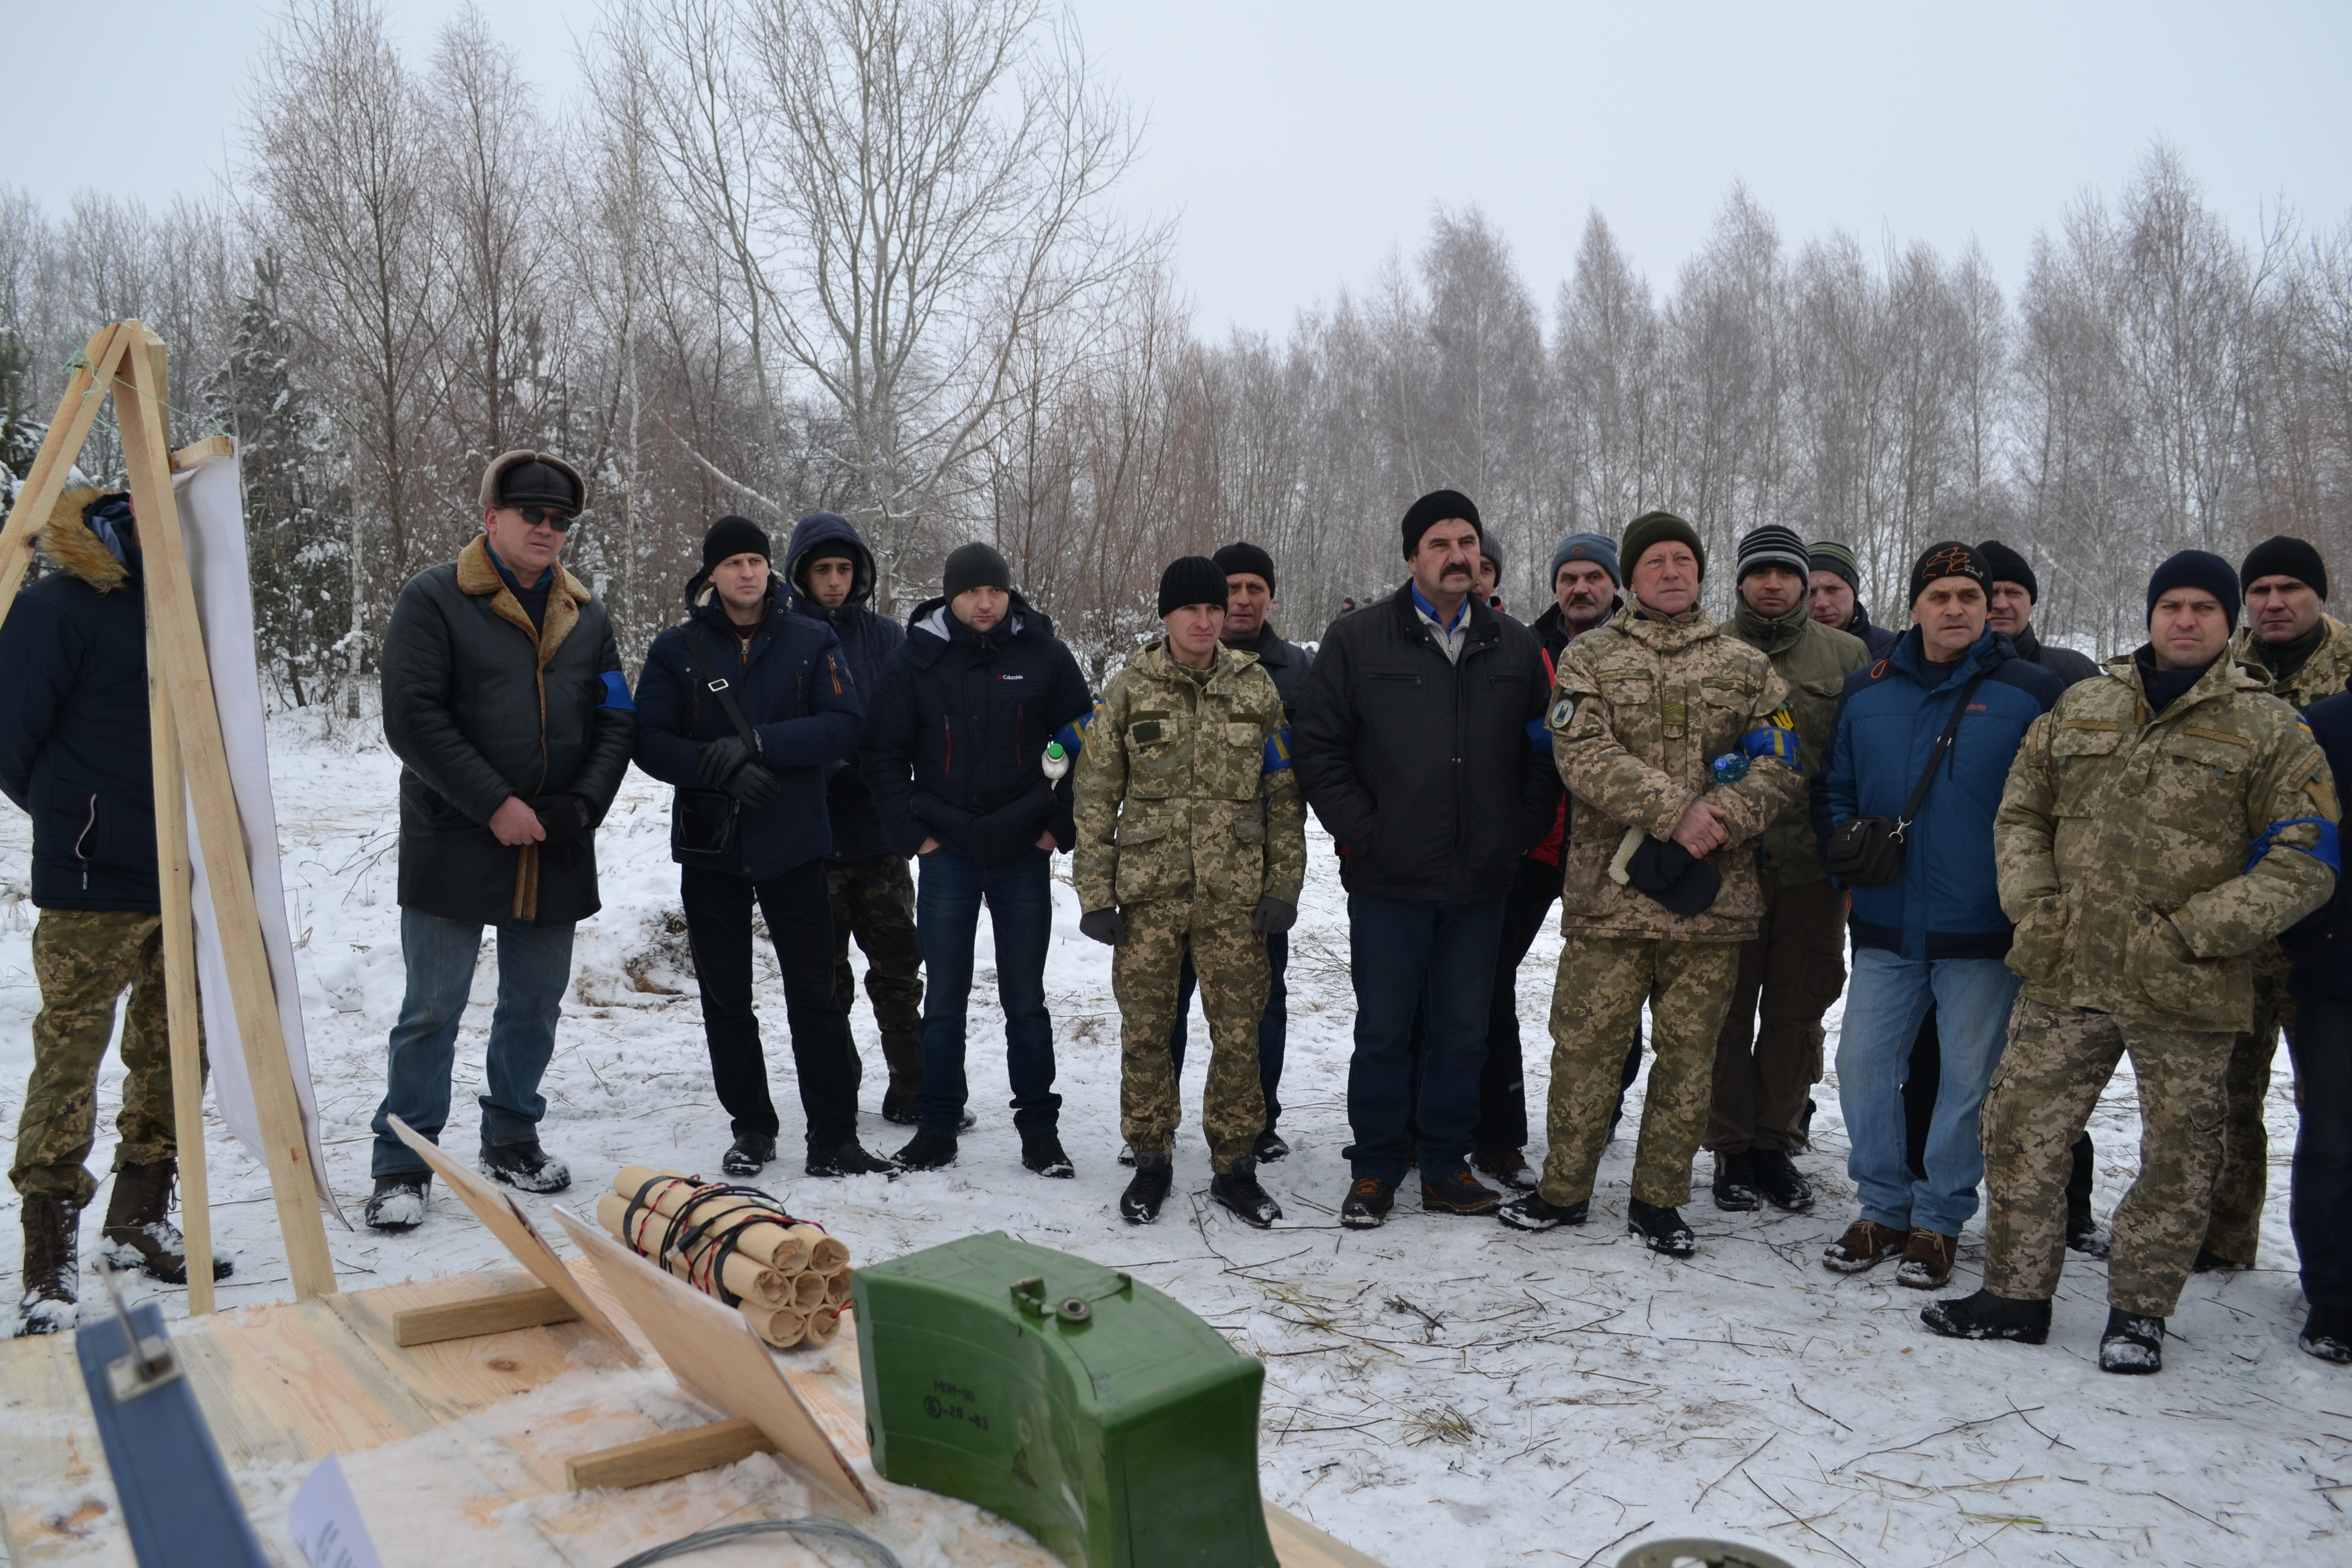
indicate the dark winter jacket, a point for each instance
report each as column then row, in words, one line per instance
column 1947, row 903
column 868, row 641
column 1815, row 660
column 1553, row 636
column 955, row 729
column 792, row 687
column 479, row 706
column 1880, row 640
column 2321, row 943
column 1422, row 768
column 1285, row 661
column 2068, row 666
column 74, row 750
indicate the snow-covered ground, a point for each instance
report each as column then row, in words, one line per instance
column 1440, row 1391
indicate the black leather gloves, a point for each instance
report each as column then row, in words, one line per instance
column 1272, row 915
column 719, row 760
column 1105, row 926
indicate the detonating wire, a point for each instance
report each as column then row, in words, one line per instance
column 813, row 1529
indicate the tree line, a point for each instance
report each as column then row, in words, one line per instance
column 871, row 256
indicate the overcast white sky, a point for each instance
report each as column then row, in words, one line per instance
column 1301, row 143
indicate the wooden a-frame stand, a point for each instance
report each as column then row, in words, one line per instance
column 127, row 361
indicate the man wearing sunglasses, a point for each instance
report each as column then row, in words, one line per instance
column 504, row 699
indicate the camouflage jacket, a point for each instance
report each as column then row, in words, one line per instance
column 1184, row 788
column 2322, row 674
column 2145, row 859
column 1814, row 659
column 1640, row 707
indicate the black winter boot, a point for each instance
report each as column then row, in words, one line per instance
column 1776, row 1177
column 1269, row 1148
column 1532, row 1212
column 1985, row 1316
column 1735, row 1183
column 1154, row 1174
column 850, row 1159
column 1238, row 1190
column 2131, row 1344
column 1043, row 1155
column 902, row 1052
column 926, row 1151
column 52, row 1266
column 2327, row 1334
column 398, row 1202
column 525, row 1166
column 138, row 1231
column 747, row 1154
column 1661, row 1229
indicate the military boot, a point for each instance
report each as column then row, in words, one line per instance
column 1238, row 1190
column 2131, row 1344
column 52, row 1266
column 138, row 1231
column 1155, row 1172
column 902, row 1051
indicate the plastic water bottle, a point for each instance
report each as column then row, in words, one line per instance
column 1728, row 769
column 1057, row 763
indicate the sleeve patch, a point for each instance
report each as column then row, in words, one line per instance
column 2321, row 791
column 1562, row 712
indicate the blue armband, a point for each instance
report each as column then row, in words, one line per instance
column 1538, row 737
column 616, row 692
column 1072, row 736
column 1278, row 751
column 1772, row 742
column 2328, row 851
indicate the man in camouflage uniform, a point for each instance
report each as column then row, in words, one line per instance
column 2160, row 827
column 1192, row 838
column 2305, row 654
column 1642, row 710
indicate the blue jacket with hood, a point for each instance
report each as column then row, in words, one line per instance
column 1947, row 903
column 868, row 641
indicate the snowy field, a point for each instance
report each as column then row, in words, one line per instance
column 1439, row 1391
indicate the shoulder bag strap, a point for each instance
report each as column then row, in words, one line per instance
column 1943, row 744
column 718, row 686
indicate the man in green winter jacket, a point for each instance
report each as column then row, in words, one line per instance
column 2160, row 827
column 1795, row 964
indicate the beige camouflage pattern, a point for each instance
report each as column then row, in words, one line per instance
column 2122, row 843
column 1172, row 795
column 83, row 960
column 1814, row 659
column 1596, row 1006
column 2057, row 1061
column 1231, row 961
column 1640, row 707
column 2322, row 674
column 2235, row 1231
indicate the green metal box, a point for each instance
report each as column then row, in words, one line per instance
column 1097, row 1413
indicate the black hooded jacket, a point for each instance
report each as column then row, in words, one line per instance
column 868, row 641
column 955, row 729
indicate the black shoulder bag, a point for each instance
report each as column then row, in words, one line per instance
column 706, row 819
column 1867, row 851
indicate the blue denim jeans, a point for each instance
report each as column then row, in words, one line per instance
column 1889, row 996
column 1407, row 954
column 534, row 966
column 1273, row 1024
column 1019, row 894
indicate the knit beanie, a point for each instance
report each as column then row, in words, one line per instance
column 1245, row 557
column 1654, row 527
column 1949, row 559
column 1829, row 555
column 1191, row 580
column 1593, row 547
column 1492, row 551
column 2281, row 556
column 2196, row 569
column 1434, row 508
column 1772, row 545
column 2007, row 566
column 733, row 535
column 974, row 565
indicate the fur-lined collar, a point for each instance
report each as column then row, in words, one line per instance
column 69, row 541
column 479, row 575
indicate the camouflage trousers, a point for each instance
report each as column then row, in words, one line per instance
column 2235, row 1231
column 2058, row 1060
column 1231, row 962
column 873, row 901
column 84, row 959
column 1596, row 1006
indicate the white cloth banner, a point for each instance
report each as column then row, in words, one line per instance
column 212, row 521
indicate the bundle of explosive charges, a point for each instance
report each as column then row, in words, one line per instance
column 789, row 1280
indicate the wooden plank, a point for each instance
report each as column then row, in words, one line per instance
column 713, row 1352
column 478, row 1315
column 171, row 610
column 671, row 1454
column 1299, row 1544
column 504, row 1219
column 182, row 1023
column 203, row 451
column 85, row 393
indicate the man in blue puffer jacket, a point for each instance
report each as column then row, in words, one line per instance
column 751, row 824
column 1935, row 933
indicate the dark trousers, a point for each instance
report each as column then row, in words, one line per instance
column 1019, row 898
column 2321, row 1209
column 799, row 912
column 1403, row 951
column 1273, row 1024
column 1925, row 1071
column 873, row 901
column 1769, row 1057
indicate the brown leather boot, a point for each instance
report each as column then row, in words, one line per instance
column 1865, row 1244
column 1928, row 1259
column 139, row 1229
column 52, row 1266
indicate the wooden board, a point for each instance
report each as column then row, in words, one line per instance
column 85, row 394
column 713, row 1352
column 503, row 1218
column 668, row 1456
column 492, row 1314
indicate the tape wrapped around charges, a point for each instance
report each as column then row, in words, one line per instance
column 744, row 1277
column 781, row 1243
